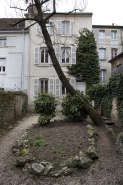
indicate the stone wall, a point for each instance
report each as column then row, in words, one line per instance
column 12, row 104
column 114, row 112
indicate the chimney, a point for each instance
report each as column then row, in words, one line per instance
column 112, row 24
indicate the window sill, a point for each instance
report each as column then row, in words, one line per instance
column 114, row 39
column 43, row 65
column 65, row 35
column 2, row 73
column 64, row 65
column 103, row 81
column 102, row 59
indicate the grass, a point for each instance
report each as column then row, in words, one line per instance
column 39, row 143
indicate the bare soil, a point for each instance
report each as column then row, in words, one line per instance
column 63, row 139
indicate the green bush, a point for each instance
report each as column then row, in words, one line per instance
column 45, row 105
column 73, row 107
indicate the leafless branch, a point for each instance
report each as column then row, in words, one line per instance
column 22, row 8
column 53, row 13
column 44, row 2
column 31, row 25
column 22, row 20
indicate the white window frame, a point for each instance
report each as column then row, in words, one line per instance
column 65, row 27
column 103, row 75
column 102, row 53
column 44, row 62
column 2, row 65
column 44, row 83
column 113, row 35
column 113, row 50
column 101, row 34
column 3, row 42
column 65, row 55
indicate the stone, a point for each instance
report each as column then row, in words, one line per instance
column 85, row 161
column 92, row 152
column 38, row 169
column 90, row 127
column 65, row 171
column 18, row 144
column 25, row 143
column 10, row 127
column 48, row 169
column 92, row 141
column 73, row 162
column 21, row 161
column 92, row 133
column 28, row 167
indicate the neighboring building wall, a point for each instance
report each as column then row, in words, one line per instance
column 14, row 108
column 13, row 57
column 42, row 74
column 116, row 65
column 109, row 39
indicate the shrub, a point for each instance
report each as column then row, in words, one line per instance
column 45, row 105
column 73, row 107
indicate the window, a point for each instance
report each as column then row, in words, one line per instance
column 44, row 85
column 49, row 26
column 65, row 28
column 101, row 34
column 3, row 41
column 103, row 75
column 65, row 55
column 113, row 34
column 113, row 53
column 44, row 55
column 2, row 65
column 102, row 54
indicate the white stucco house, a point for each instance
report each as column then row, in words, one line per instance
column 13, row 56
column 42, row 75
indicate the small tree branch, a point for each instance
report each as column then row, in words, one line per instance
column 44, row 2
column 22, row 8
column 22, row 20
column 53, row 13
column 31, row 25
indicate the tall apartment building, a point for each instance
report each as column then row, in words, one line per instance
column 109, row 44
column 42, row 75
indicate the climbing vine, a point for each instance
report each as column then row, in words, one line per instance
column 87, row 62
column 103, row 95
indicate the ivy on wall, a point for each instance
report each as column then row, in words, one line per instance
column 87, row 61
column 103, row 95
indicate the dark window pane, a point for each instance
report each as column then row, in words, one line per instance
column 4, row 69
column 42, row 55
column 46, row 86
column 0, row 69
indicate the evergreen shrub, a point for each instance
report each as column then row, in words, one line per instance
column 45, row 105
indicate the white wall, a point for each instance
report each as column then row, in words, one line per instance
column 15, row 53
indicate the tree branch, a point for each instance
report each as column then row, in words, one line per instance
column 31, row 25
column 22, row 20
column 22, row 8
column 44, row 2
column 53, row 13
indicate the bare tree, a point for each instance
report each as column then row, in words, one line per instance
column 38, row 8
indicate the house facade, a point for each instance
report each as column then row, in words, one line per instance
column 13, row 56
column 42, row 75
column 116, row 65
column 109, row 44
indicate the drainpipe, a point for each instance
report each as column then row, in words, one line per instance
column 121, row 40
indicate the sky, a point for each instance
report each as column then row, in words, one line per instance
column 105, row 12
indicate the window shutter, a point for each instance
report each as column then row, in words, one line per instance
column 51, row 85
column 59, row 27
column 36, row 56
column 38, row 29
column 36, row 87
column 73, row 82
column 73, row 55
column 57, row 87
column 58, row 54
column 71, row 27
column 51, row 27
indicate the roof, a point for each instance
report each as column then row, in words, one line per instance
column 115, row 58
column 5, row 23
column 107, row 26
